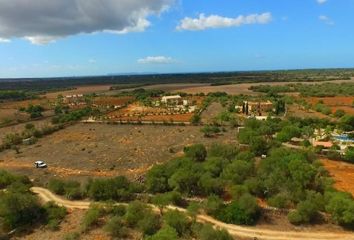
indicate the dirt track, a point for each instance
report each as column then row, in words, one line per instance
column 237, row 231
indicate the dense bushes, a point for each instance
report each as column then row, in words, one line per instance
column 122, row 222
column 119, row 189
column 341, row 207
column 72, row 116
column 313, row 90
column 70, row 189
column 20, row 209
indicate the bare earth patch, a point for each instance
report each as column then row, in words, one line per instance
column 342, row 173
column 100, row 150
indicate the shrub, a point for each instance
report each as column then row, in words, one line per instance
column 196, row 152
column 54, row 215
column 56, row 186
column 119, row 189
column 341, row 207
column 207, row 232
column 91, row 218
column 149, row 224
column 165, row 233
column 281, row 200
column 72, row 236
column 115, row 228
column 245, row 211
column 213, row 205
column 7, row 179
column 71, row 189
column 19, row 209
column 349, row 154
column 135, row 212
column 178, row 221
column 157, row 179
column 295, row 218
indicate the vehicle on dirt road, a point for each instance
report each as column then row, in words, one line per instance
column 40, row 164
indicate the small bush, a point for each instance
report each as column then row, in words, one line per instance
column 178, row 221
column 91, row 218
column 115, row 228
column 72, row 236
column 54, row 215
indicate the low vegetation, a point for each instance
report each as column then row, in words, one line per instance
column 20, row 209
column 310, row 90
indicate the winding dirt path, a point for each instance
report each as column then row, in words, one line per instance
column 237, row 231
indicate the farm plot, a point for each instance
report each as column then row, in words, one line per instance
column 136, row 112
column 334, row 103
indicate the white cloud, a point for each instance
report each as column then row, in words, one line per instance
column 43, row 21
column 156, row 60
column 321, row 1
column 215, row 21
column 92, row 61
column 4, row 40
column 326, row 20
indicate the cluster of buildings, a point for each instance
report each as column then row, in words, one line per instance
column 342, row 140
column 74, row 100
column 255, row 108
column 176, row 103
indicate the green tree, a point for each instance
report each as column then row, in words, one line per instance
column 165, row 233
column 207, row 232
column 115, row 227
column 196, row 152
column 178, row 221
column 349, row 154
column 19, row 209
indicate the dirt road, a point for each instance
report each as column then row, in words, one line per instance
column 237, row 231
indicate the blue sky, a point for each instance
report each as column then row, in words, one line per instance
column 273, row 34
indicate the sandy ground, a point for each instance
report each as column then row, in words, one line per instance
column 342, row 173
column 98, row 150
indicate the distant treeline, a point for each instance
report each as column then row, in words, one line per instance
column 45, row 84
column 313, row 90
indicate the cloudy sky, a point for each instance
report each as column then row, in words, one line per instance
column 41, row 38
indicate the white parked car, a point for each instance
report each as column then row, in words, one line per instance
column 40, row 164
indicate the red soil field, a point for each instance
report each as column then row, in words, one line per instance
column 112, row 100
column 332, row 101
column 342, row 173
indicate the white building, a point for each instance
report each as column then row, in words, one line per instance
column 171, row 99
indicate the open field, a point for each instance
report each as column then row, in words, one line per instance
column 170, row 87
column 243, row 88
column 342, row 173
column 18, row 128
column 80, row 90
column 296, row 110
column 335, row 103
column 89, row 150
